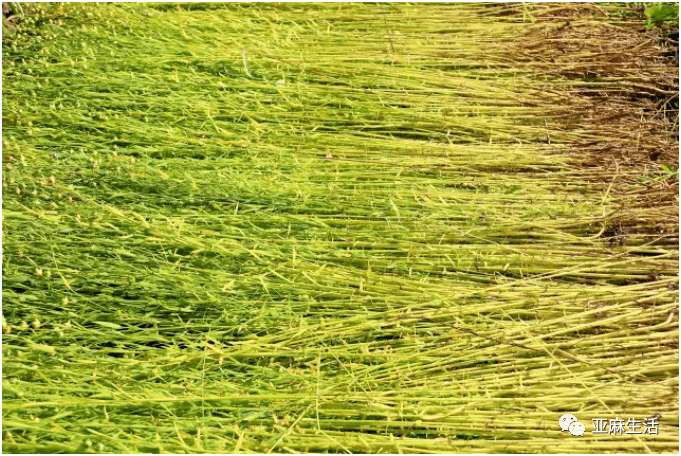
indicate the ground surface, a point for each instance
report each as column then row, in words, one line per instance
column 337, row 228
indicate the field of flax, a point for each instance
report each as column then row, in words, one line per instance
column 373, row 228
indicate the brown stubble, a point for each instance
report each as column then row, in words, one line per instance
column 619, row 109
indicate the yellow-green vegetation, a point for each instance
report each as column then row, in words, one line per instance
column 335, row 228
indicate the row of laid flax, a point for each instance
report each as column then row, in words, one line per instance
column 332, row 228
